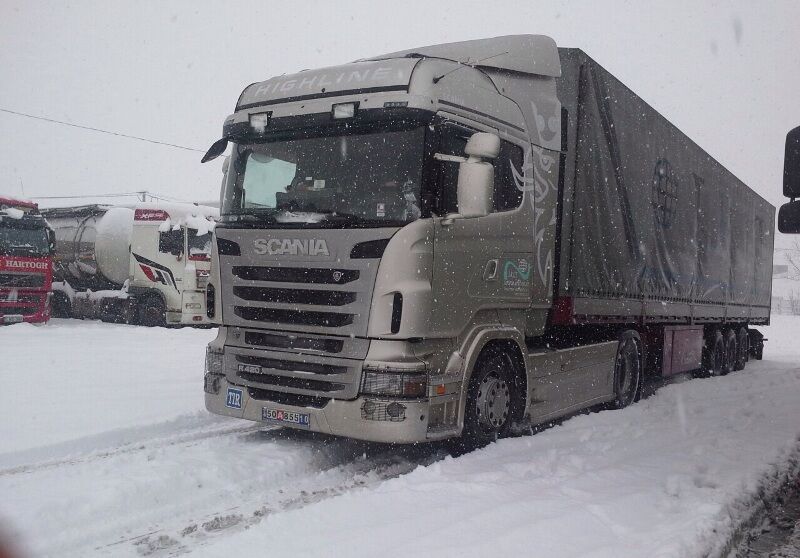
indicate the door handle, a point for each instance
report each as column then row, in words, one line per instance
column 490, row 271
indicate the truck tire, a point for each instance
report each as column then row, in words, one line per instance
column 60, row 306
column 627, row 370
column 151, row 311
column 714, row 355
column 731, row 352
column 490, row 399
column 743, row 345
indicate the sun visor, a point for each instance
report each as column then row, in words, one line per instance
column 358, row 77
column 528, row 54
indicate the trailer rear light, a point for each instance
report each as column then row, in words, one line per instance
column 397, row 384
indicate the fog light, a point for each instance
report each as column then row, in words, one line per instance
column 368, row 407
column 395, row 409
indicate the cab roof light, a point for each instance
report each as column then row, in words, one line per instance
column 344, row 110
column 259, row 121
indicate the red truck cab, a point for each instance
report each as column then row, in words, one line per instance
column 26, row 263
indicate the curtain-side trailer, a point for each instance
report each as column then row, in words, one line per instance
column 459, row 239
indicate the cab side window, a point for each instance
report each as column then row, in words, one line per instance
column 506, row 193
column 171, row 242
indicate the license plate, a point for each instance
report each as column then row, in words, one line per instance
column 249, row 368
column 12, row 319
column 286, row 417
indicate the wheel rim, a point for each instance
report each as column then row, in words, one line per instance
column 493, row 402
column 719, row 357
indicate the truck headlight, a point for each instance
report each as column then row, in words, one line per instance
column 393, row 383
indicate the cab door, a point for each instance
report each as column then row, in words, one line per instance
column 483, row 264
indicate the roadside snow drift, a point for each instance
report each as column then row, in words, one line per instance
column 105, row 450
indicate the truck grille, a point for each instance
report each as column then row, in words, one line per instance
column 293, row 372
column 298, row 296
column 300, row 317
column 21, row 280
column 14, row 310
column 296, row 274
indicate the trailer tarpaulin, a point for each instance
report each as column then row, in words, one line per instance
column 647, row 213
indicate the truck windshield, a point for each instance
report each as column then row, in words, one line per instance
column 199, row 245
column 22, row 241
column 368, row 178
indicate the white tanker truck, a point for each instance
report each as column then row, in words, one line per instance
column 145, row 264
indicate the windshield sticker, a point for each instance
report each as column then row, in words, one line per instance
column 380, row 211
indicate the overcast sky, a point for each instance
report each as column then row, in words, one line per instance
column 727, row 73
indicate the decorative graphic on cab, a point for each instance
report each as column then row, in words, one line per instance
column 157, row 273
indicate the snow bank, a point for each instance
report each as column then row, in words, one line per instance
column 674, row 475
column 73, row 379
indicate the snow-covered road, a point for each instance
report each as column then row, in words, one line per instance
column 105, row 449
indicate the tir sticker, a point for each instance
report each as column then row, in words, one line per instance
column 234, row 398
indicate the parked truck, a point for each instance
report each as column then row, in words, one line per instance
column 468, row 239
column 146, row 264
column 26, row 268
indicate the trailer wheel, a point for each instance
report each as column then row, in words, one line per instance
column 714, row 355
column 743, row 344
column 731, row 352
column 627, row 370
column 151, row 311
column 490, row 399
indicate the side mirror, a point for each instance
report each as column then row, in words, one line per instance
column 476, row 176
column 789, row 214
column 791, row 165
column 789, row 218
column 51, row 238
column 216, row 149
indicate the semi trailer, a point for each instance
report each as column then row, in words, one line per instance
column 26, row 265
column 146, row 264
column 467, row 239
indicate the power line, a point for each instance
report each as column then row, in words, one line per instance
column 54, row 121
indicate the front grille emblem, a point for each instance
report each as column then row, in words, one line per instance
column 337, row 276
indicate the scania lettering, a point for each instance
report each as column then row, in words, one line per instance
column 467, row 239
column 146, row 264
column 26, row 263
column 296, row 246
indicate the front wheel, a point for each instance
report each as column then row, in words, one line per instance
column 490, row 399
column 151, row 311
column 627, row 370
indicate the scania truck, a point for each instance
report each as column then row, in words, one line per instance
column 26, row 265
column 466, row 239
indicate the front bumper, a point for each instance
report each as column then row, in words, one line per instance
column 337, row 417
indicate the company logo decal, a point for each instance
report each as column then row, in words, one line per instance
column 516, row 274
column 23, row 265
column 234, row 398
column 291, row 247
column 155, row 272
